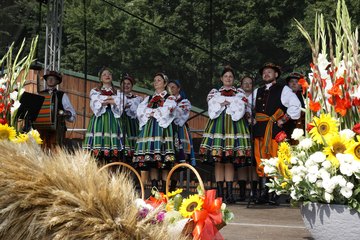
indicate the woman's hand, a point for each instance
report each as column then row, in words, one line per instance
column 225, row 103
column 109, row 100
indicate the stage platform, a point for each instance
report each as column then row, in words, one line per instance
column 264, row 222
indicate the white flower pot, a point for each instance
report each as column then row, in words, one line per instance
column 331, row 221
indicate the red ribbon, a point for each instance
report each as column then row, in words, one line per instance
column 206, row 219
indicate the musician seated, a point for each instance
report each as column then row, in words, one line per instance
column 64, row 108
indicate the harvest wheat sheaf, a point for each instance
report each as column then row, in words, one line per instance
column 63, row 196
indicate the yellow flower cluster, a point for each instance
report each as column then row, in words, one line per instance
column 284, row 156
column 9, row 133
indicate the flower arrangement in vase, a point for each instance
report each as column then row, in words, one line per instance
column 325, row 166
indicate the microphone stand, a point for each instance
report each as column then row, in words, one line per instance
column 122, row 121
column 252, row 143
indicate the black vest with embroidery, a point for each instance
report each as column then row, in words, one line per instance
column 268, row 101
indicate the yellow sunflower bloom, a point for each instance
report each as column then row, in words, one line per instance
column 324, row 128
column 336, row 144
column 284, row 152
column 7, row 132
column 173, row 193
column 36, row 135
column 284, row 169
column 284, row 156
column 354, row 150
column 190, row 205
column 21, row 138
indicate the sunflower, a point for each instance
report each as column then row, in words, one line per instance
column 324, row 128
column 21, row 138
column 284, row 152
column 284, row 155
column 190, row 205
column 336, row 144
column 7, row 132
column 173, row 193
column 36, row 135
column 354, row 149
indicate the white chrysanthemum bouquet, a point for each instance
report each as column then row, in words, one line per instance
column 321, row 168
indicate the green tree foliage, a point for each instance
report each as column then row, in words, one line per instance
column 142, row 37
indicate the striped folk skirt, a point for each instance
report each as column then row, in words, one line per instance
column 184, row 145
column 225, row 140
column 131, row 132
column 154, row 146
column 104, row 135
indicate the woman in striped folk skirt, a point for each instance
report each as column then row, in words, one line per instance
column 183, row 140
column 182, row 136
column 154, row 148
column 104, row 136
column 226, row 139
column 129, row 119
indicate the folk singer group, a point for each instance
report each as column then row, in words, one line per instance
column 152, row 133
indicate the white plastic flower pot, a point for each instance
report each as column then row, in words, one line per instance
column 331, row 221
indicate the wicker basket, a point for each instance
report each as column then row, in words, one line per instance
column 129, row 168
column 189, row 227
column 201, row 183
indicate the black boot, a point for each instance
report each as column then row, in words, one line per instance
column 229, row 193
column 220, row 190
column 242, row 188
column 154, row 184
column 274, row 199
column 264, row 192
column 254, row 185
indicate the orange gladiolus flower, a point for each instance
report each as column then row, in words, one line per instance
column 341, row 105
column 314, row 106
column 323, row 83
column 356, row 102
column 304, row 84
column 335, row 91
column 339, row 81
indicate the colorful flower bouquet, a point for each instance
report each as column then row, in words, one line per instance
column 325, row 166
column 198, row 216
column 11, row 89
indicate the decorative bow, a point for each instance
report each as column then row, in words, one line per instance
column 208, row 218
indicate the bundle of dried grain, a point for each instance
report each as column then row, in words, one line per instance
column 63, row 196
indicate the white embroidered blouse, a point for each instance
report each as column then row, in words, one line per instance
column 162, row 111
column 235, row 97
column 133, row 102
column 182, row 111
column 97, row 97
